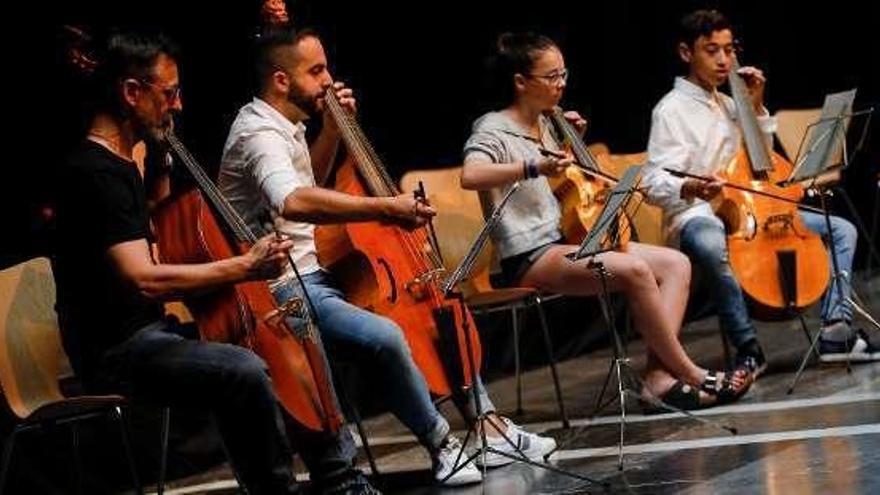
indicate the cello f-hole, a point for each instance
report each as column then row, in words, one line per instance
column 393, row 296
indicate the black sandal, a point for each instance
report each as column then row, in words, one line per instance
column 680, row 396
column 723, row 390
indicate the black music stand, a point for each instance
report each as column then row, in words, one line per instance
column 817, row 157
column 603, row 237
column 477, row 428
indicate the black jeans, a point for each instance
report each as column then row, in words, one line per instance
column 165, row 364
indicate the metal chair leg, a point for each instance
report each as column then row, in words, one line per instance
column 126, row 444
column 163, row 449
column 77, row 462
column 548, row 346
column 516, row 357
column 8, row 447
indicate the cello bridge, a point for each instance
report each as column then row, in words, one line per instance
column 292, row 307
column 782, row 221
column 418, row 286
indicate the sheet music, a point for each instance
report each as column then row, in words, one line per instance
column 826, row 137
column 617, row 200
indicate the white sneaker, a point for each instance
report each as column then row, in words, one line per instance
column 534, row 446
column 445, row 463
column 858, row 350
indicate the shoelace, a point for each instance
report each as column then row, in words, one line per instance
column 451, row 445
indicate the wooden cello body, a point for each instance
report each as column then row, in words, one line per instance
column 781, row 265
column 581, row 189
column 246, row 314
column 393, row 272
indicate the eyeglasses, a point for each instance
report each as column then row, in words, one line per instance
column 552, row 78
column 171, row 94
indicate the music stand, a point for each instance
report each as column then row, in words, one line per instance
column 827, row 139
column 603, row 237
column 477, row 428
column 825, row 152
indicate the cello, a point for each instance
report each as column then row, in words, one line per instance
column 781, row 265
column 393, row 272
column 246, row 314
column 582, row 188
column 200, row 226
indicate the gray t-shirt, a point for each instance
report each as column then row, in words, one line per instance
column 531, row 217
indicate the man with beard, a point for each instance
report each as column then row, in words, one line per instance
column 110, row 289
column 268, row 167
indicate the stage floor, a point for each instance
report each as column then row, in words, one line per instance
column 823, row 438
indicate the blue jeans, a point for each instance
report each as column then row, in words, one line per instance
column 352, row 333
column 844, row 238
column 166, row 364
column 704, row 241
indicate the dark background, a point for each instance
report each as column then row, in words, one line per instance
column 417, row 68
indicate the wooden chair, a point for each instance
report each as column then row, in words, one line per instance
column 32, row 359
column 648, row 219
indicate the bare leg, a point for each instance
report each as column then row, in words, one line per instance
column 673, row 274
column 655, row 281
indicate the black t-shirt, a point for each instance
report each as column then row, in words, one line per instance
column 101, row 202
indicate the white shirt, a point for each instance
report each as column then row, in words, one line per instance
column 695, row 131
column 266, row 158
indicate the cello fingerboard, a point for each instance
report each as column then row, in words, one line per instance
column 759, row 154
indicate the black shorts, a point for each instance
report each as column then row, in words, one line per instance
column 514, row 267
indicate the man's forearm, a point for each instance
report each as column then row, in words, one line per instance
column 320, row 205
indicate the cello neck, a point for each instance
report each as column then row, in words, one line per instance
column 756, row 145
column 571, row 136
column 211, row 192
column 373, row 172
column 370, row 166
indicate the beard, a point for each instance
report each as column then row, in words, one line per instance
column 155, row 133
column 306, row 103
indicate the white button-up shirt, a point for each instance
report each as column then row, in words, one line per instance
column 695, row 131
column 266, row 158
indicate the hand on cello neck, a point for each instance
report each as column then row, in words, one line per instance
column 407, row 211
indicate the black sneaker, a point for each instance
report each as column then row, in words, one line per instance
column 750, row 357
column 858, row 349
column 353, row 484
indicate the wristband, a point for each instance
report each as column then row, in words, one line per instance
column 532, row 171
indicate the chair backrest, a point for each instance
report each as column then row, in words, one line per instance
column 791, row 126
column 458, row 221
column 648, row 219
column 31, row 356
